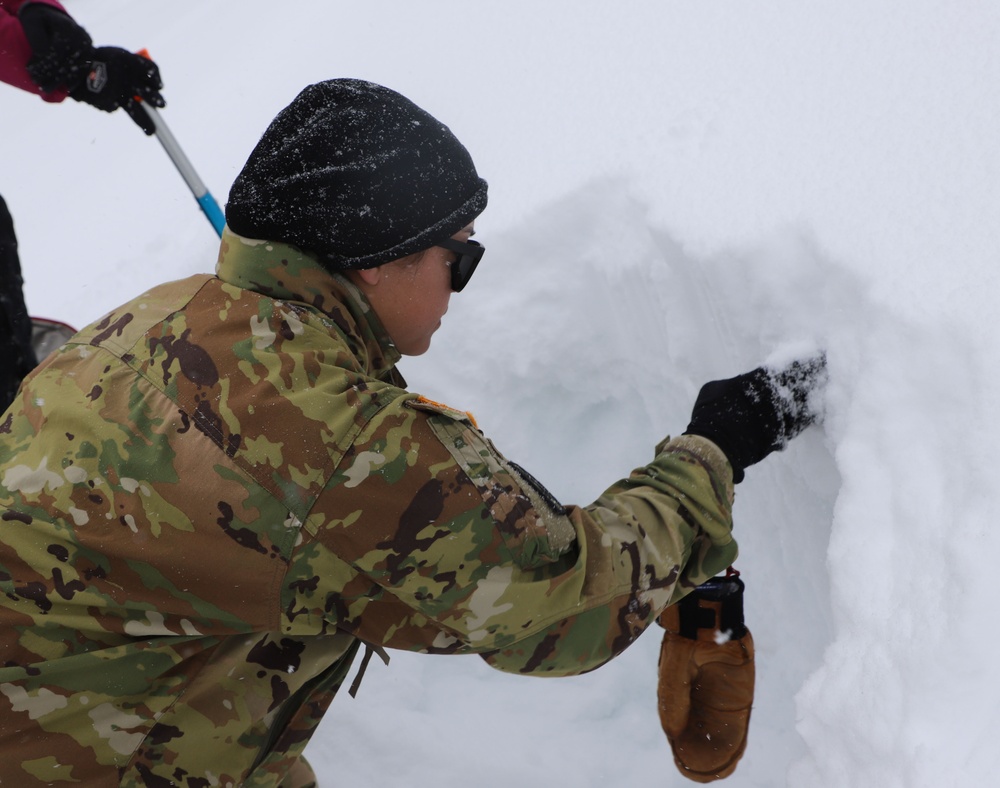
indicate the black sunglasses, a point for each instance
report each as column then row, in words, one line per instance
column 469, row 255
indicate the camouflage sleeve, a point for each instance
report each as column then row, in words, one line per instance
column 429, row 540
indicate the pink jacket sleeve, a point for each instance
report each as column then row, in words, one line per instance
column 15, row 52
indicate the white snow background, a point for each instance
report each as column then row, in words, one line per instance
column 679, row 190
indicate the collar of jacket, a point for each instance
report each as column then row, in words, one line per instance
column 285, row 272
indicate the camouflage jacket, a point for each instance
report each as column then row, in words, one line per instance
column 211, row 494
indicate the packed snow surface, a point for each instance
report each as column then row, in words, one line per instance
column 679, row 191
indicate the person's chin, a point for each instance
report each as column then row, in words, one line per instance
column 417, row 349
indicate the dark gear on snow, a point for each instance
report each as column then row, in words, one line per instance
column 17, row 358
column 63, row 55
column 358, row 175
column 47, row 335
column 756, row 413
column 706, row 679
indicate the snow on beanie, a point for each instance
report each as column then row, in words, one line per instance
column 358, row 174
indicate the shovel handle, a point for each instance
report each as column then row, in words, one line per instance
column 201, row 193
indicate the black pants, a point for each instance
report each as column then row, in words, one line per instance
column 17, row 358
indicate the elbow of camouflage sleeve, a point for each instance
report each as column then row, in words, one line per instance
column 574, row 645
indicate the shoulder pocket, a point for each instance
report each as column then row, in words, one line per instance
column 532, row 523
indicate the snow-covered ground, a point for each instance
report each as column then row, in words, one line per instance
column 679, row 190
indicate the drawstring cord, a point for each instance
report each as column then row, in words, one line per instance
column 369, row 650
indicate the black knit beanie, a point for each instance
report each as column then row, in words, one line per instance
column 357, row 174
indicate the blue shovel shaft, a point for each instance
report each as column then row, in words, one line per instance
column 201, row 193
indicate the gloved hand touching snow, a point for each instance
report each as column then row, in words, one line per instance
column 63, row 55
column 756, row 413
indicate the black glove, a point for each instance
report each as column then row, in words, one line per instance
column 63, row 55
column 60, row 48
column 119, row 78
column 756, row 413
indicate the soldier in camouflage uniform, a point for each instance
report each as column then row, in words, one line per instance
column 214, row 495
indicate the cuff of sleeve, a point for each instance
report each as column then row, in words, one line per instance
column 707, row 451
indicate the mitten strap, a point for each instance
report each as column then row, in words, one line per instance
column 713, row 607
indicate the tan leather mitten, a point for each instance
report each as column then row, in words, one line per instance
column 706, row 680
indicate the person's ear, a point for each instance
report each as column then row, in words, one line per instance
column 365, row 278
